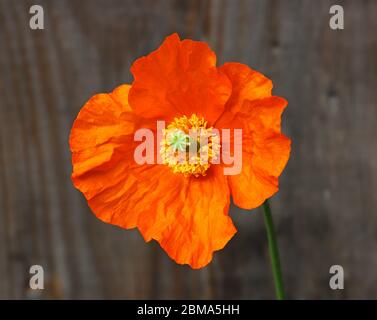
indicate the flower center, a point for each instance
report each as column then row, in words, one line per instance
column 189, row 147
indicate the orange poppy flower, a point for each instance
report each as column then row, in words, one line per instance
column 182, row 206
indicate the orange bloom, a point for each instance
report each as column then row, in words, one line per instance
column 183, row 207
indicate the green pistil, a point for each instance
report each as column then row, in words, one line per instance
column 179, row 141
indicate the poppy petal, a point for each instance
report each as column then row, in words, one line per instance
column 203, row 225
column 102, row 125
column 247, row 84
column 118, row 190
column 179, row 78
column 142, row 198
column 265, row 153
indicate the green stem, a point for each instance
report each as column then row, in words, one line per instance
column 274, row 251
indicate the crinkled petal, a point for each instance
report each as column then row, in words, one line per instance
column 102, row 126
column 102, row 145
column 179, row 78
column 202, row 225
column 143, row 198
column 265, row 152
column 247, row 84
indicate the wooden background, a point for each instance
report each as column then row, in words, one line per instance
column 326, row 209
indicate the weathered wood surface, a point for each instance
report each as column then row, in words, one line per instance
column 326, row 209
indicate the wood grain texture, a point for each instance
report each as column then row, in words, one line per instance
column 325, row 212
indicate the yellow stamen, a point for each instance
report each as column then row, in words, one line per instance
column 188, row 146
